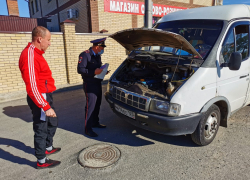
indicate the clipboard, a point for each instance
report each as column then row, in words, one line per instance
column 103, row 73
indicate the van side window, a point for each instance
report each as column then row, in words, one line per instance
column 228, row 47
column 236, row 41
column 242, row 40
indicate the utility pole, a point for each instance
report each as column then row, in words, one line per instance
column 148, row 14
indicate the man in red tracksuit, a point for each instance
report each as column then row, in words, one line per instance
column 39, row 86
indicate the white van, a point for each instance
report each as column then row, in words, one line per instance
column 187, row 75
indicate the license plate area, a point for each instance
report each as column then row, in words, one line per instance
column 125, row 111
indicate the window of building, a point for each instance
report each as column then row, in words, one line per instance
column 32, row 7
column 236, row 41
column 37, row 8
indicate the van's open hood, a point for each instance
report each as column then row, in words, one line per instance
column 141, row 37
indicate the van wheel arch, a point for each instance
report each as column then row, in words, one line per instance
column 207, row 127
column 224, row 107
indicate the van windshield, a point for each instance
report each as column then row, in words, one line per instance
column 201, row 34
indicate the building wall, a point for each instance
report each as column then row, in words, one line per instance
column 37, row 14
column 82, row 25
column 53, row 26
column 18, row 24
column 114, row 21
column 48, row 7
column 62, row 57
column 12, row 7
column 182, row 1
column 11, row 46
column 94, row 15
column 140, row 21
column 104, row 20
column 203, row 2
column 44, row 9
column 55, row 56
column 61, row 2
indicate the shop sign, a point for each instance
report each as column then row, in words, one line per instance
column 138, row 8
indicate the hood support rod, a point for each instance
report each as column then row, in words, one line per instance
column 176, row 64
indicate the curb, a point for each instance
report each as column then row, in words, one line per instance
column 6, row 97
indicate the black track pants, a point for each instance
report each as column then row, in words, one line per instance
column 44, row 130
column 93, row 92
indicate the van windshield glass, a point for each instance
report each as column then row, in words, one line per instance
column 201, row 34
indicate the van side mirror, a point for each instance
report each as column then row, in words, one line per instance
column 235, row 61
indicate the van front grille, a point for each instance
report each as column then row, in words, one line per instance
column 131, row 99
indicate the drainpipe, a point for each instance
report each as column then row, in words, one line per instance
column 148, row 14
column 29, row 4
column 41, row 9
column 58, row 16
column 89, row 16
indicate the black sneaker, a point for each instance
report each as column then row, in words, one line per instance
column 91, row 133
column 53, row 151
column 49, row 163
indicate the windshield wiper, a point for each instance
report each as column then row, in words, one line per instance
column 144, row 52
column 166, row 52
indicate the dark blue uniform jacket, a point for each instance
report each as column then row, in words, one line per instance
column 87, row 64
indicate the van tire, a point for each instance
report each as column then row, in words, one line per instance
column 207, row 127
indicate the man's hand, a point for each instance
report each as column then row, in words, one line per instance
column 108, row 72
column 50, row 113
column 98, row 71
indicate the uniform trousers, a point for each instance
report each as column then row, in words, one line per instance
column 44, row 129
column 93, row 93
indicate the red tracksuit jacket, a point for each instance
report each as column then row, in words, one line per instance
column 37, row 75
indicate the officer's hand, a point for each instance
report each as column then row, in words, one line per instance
column 108, row 72
column 98, row 71
column 50, row 113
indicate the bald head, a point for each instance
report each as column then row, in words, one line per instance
column 41, row 38
column 39, row 31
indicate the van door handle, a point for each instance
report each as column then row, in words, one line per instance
column 244, row 76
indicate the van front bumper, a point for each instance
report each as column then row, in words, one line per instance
column 161, row 124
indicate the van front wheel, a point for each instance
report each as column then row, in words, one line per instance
column 207, row 127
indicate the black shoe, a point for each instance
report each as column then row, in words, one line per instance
column 91, row 133
column 99, row 126
column 49, row 163
column 53, row 151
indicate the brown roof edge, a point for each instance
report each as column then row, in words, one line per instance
column 104, row 31
column 62, row 7
column 67, row 21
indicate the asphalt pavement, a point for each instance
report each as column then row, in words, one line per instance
column 144, row 155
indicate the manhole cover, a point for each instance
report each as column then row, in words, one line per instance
column 99, row 156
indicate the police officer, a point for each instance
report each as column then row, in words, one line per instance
column 89, row 65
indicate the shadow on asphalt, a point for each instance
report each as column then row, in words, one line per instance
column 18, row 145
column 70, row 107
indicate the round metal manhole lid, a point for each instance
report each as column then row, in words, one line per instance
column 99, row 156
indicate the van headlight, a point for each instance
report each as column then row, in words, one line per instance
column 164, row 107
column 109, row 88
column 174, row 109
